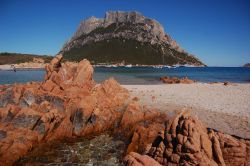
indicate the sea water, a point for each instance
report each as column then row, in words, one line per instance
column 142, row 75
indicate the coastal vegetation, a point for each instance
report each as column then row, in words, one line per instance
column 125, row 37
column 17, row 58
column 130, row 51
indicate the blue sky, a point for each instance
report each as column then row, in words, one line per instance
column 216, row 31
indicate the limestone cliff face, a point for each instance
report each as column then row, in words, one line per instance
column 128, row 26
column 92, row 23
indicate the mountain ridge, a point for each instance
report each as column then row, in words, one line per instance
column 128, row 26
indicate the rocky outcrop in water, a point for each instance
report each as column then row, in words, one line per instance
column 69, row 104
column 175, row 80
column 144, row 39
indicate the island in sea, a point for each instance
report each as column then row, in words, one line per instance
column 118, row 39
column 125, row 38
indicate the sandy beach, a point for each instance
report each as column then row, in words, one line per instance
column 22, row 66
column 224, row 108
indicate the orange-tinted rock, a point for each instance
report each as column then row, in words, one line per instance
column 135, row 113
column 66, row 104
column 69, row 104
column 110, row 94
column 49, row 85
column 186, row 141
column 132, row 115
column 145, row 134
column 193, row 147
column 54, row 66
column 84, row 72
column 69, row 73
column 135, row 159
column 234, row 151
column 175, row 80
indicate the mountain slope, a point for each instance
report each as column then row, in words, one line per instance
column 125, row 37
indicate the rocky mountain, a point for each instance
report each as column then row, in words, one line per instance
column 126, row 37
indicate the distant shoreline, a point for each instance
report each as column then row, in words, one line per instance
column 28, row 66
column 141, row 75
column 23, row 69
column 39, row 66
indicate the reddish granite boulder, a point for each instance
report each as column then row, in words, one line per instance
column 68, row 74
column 175, row 80
column 144, row 134
column 234, row 151
column 84, row 73
column 110, row 94
column 67, row 104
column 135, row 159
column 184, row 140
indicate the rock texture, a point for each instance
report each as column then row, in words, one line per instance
column 125, row 29
column 185, row 141
column 175, row 80
column 70, row 104
column 155, row 28
column 67, row 104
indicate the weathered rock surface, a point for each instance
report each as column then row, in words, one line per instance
column 67, row 104
column 135, row 159
column 131, row 30
column 185, row 141
column 175, row 80
column 70, row 104
column 111, row 17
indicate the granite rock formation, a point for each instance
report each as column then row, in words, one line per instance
column 69, row 104
column 143, row 38
column 184, row 140
column 175, row 80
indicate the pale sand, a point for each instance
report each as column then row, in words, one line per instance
column 224, row 108
column 26, row 65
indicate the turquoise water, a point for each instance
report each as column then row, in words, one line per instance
column 143, row 75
